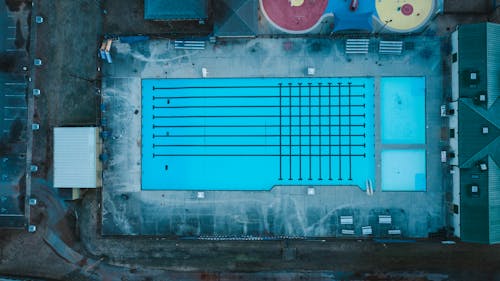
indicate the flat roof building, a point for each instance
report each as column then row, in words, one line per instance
column 76, row 157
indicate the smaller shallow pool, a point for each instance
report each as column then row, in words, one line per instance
column 403, row 170
column 402, row 110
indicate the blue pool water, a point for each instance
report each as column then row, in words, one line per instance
column 402, row 102
column 403, row 170
column 255, row 133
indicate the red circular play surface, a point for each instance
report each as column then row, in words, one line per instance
column 294, row 19
column 407, row 9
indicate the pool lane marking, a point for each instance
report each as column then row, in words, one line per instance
column 238, row 97
column 310, row 133
column 300, row 131
column 330, row 131
column 246, row 116
column 247, row 126
column 236, row 87
column 290, row 123
column 320, row 129
column 239, row 155
column 340, row 134
column 15, row 107
column 237, row 106
column 281, row 157
column 231, row 145
column 244, row 135
column 349, row 118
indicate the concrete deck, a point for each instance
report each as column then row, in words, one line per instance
column 285, row 210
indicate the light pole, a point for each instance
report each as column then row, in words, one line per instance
column 383, row 26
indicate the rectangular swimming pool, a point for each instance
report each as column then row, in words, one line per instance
column 402, row 101
column 403, row 170
column 255, row 133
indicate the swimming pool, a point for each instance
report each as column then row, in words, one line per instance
column 402, row 101
column 402, row 107
column 255, row 133
column 403, row 170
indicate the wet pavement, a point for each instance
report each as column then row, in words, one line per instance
column 284, row 210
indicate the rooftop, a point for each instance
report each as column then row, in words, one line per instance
column 175, row 10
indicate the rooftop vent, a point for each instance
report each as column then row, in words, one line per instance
column 483, row 166
column 474, row 190
column 471, row 78
column 480, row 98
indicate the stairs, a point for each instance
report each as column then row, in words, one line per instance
column 391, row 47
column 189, row 45
column 357, row 46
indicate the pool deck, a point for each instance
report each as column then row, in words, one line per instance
column 285, row 210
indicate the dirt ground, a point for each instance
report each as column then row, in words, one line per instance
column 474, row 7
column 68, row 78
column 147, row 258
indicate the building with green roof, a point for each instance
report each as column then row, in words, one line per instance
column 165, row 10
column 474, row 120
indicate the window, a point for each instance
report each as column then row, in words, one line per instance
column 455, row 208
column 454, row 57
column 452, row 133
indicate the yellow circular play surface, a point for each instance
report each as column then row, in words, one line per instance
column 404, row 15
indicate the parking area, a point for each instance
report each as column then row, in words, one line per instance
column 14, row 33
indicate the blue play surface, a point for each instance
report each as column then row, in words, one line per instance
column 402, row 102
column 255, row 133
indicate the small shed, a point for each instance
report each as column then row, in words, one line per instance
column 76, row 157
